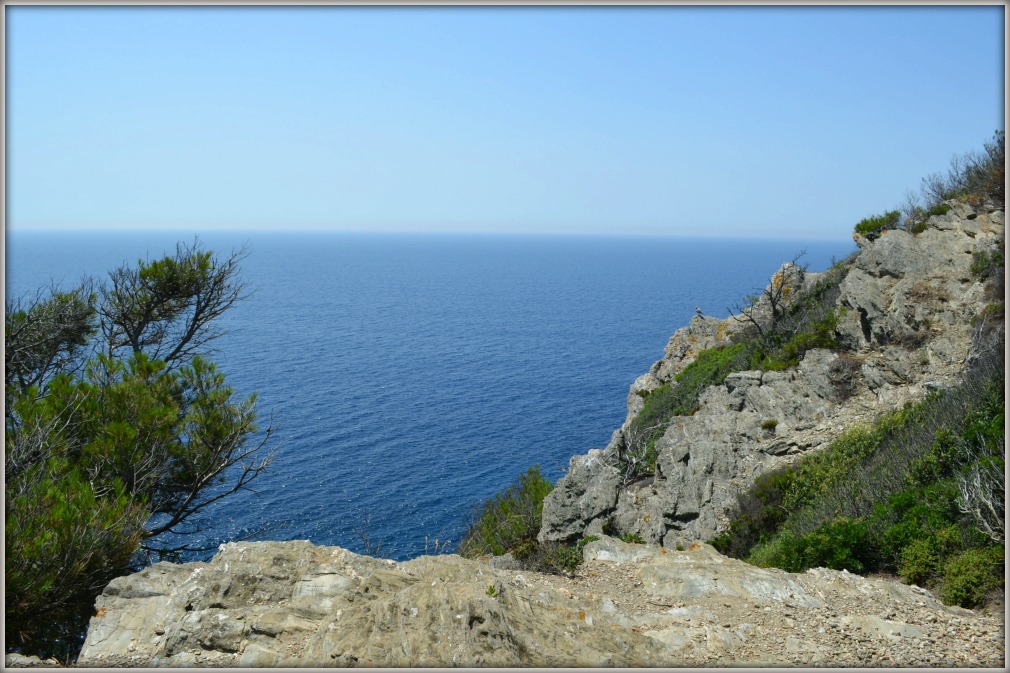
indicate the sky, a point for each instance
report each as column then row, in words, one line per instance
column 771, row 122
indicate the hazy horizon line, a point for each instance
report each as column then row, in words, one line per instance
column 83, row 229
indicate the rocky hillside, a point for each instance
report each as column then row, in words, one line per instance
column 905, row 308
column 295, row 604
column 901, row 326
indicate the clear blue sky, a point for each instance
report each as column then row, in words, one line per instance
column 747, row 121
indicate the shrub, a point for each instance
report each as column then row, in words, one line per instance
column 509, row 519
column 769, row 424
column 757, row 515
column 992, row 313
column 985, row 173
column 969, row 577
column 919, row 562
column 877, row 223
column 842, row 544
column 820, row 334
column 989, row 267
column 973, row 177
column 632, row 538
column 552, row 557
column 985, row 264
column 781, row 551
column 824, row 471
column 938, row 210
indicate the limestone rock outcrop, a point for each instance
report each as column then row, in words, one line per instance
column 905, row 311
column 294, row 604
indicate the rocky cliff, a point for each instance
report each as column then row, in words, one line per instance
column 905, row 309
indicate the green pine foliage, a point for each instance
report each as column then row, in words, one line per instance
column 116, row 431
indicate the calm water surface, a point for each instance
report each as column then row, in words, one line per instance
column 412, row 376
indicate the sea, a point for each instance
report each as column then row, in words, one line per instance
column 407, row 378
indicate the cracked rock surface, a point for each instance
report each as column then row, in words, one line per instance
column 296, row 604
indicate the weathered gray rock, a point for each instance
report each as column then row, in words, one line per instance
column 685, row 344
column 586, row 493
column 905, row 313
column 292, row 604
column 15, row 660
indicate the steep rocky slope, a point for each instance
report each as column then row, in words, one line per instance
column 295, row 604
column 904, row 327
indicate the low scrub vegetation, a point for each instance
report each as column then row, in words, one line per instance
column 510, row 519
column 874, row 225
column 974, row 178
column 509, row 522
column 919, row 493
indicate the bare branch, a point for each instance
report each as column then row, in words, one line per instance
column 982, row 494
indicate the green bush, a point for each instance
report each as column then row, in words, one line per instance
column 780, row 551
column 508, row 520
column 985, row 264
column 969, row 577
column 842, row 544
column 920, row 561
column 922, row 556
column 632, row 538
column 824, row 471
column 757, row 515
column 821, row 334
column 769, row 424
column 877, row 223
column 551, row 557
column 938, row 210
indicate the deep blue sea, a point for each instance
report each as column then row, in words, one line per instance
column 412, row 376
